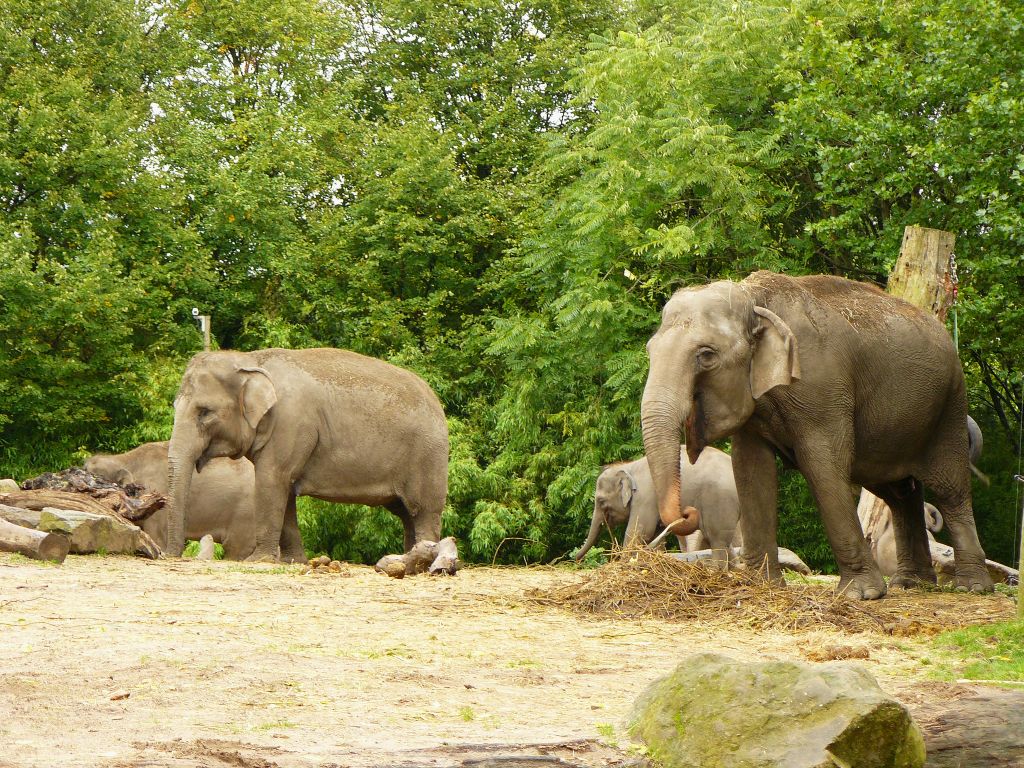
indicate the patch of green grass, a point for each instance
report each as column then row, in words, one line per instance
column 987, row 652
column 524, row 663
column 607, row 734
column 467, row 713
column 192, row 549
column 275, row 726
column 264, row 570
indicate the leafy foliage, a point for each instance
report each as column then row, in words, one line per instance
column 499, row 196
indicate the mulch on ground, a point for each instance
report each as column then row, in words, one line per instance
column 643, row 584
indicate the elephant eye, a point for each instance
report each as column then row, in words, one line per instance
column 203, row 413
column 707, row 357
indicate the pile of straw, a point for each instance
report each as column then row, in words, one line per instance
column 643, row 584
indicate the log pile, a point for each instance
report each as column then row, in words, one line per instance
column 73, row 511
column 433, row 557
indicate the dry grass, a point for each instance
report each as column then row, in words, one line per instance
column 643, row 584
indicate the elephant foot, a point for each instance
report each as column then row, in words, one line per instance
column 862, row 586
column 298, row 556
column 973, row 580
column 913, row 579
column 262, row 557
column 763, row 566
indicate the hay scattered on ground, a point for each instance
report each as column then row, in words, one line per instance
column 642, row 584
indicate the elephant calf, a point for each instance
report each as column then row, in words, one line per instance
column 220, row 499
column 625, row 494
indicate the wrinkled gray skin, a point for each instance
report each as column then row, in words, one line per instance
column 327, row 423
column 624, row 493
column 883, row 542
column 846, row 383
column 220, row 502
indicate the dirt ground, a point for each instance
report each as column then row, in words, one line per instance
column 123, row 662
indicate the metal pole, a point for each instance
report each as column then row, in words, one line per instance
column 1020, row 561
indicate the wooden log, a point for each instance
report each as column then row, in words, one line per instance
column 31, row 543
column 447, row 560
column 102, row 501
column 26, row 518
column 416, row 560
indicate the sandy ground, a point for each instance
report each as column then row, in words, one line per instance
column 109, row 661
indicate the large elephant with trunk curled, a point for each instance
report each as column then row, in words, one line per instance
column 327, row 423
column 846, row 383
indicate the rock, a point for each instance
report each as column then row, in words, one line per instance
column 392, row 565
column 716, row 711
column 335, row 566
column 206, row 548
column 91, row 533
column 7, row 485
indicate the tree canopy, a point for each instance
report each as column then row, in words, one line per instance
column 498, row 195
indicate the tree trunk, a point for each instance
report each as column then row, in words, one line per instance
column 31, row 543
column 922, row 277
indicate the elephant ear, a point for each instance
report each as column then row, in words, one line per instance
column 257, row 396
column 625, row 488
column 775, row 361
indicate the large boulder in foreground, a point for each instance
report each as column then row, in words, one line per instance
column 716, row 711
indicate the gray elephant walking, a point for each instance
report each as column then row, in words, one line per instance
column 843, row 381
column 624, row 493
column 327, row 423
column 220, row 501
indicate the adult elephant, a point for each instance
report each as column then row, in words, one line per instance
column 624, row 493
column 327, row 423
column 220, row 501
column 848, row 384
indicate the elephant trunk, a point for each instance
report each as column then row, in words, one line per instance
column 664, row 410
column 595, row 531
column 184, row 450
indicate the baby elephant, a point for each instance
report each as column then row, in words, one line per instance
column 220, row 500
column 625, row 494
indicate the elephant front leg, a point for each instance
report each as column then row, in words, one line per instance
column 271, row 503
column 859, row 576
column 757, row 486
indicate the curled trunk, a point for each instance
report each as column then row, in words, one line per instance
column 664, row 410
column 595, row 531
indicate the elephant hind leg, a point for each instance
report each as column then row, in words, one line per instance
column 913, row 557
column 292, row 549
column 418, row 525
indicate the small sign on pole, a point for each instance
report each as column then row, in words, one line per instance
column 204, row 326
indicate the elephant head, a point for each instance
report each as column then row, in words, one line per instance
column 109, row 468
column 716, row 352
column 218, row 411
column 613, row 495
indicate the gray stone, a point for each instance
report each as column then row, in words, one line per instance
column 713, row 711
column 9, row 486
column 91, row 533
